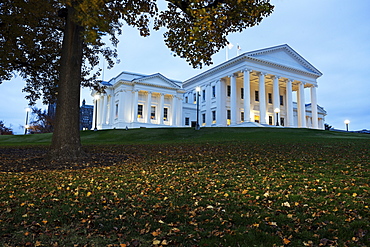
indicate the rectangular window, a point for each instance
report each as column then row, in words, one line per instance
column 242, row 93
column 270, row 120
column 203, row 119
column 213, row 116
column 242, row 116
column 256, row 118
column 195, row 98
column 140, row 111
column 187, row 121
column 165, row 113
column 213, row 91
column 204, row 95
column 152, row 112
column 228, row 114
column 282, row 121
column 256, row 96
column 281, row 100
column 228, row 90
column 186, row 99
column 270, row 98
column 116, row 110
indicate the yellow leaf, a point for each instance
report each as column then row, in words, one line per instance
column 156, row 242
column 244, row 192
column 286, row 241
column 354, row 194
column 123, row 245
column 44, row 221
column 88, row 193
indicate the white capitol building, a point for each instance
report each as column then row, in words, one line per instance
column 256, row 88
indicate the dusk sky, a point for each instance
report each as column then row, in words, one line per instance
column 332, row 35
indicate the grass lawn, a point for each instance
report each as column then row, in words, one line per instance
column 180, row 187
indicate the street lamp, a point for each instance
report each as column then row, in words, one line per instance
column 277, row 110
column 346, row 122
column 96, row 97
column 26, row 125
column 197, row 89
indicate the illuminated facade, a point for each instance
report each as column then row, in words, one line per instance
column 267, row 87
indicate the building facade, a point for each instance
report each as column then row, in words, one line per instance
column 134, row 100
column 267, row 87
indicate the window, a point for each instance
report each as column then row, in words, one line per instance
column 187, row 121
column 152, row 112
column 165, row 113
column 270, row 98
column 242, row 116
column 203, row 119
column 281, row 100
column 228, row 90
column 242, row 93
column 204, row 95
column 186, row 99
column 256, row 118
column 116, row 110
column 140, row 111
column 256, row 96
column 213, row 117
column 270, row 120
column 228, row 113
column 213, row 91
column 195, row 98
column 282, row 121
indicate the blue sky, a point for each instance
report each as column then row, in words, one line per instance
column 332, row 35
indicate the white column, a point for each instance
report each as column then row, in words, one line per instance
column 315, row 119
column 289, row 103
column 173, row 110
column 134, row 106
column 160, row 110
column 104, row 109
column 233, row 99
column 262, row 98
column 149, row 107
column 100, row 110
column 179, row 111
column 220, row 99
column 94, row 116
column 122, row 112
column 208, row 105
column 301, row 106
column 247, row 96
column 276, row 97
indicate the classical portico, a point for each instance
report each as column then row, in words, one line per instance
column 247, row 91
column 134, row 100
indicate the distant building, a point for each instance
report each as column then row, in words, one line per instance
column 254, row 89
column 86, row 116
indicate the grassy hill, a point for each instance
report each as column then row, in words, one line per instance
column 180, row 187
column 189, row 135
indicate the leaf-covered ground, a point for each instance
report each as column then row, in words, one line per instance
column 211, row 194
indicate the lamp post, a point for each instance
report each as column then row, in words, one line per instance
column 96, row 97
column 26, row 126
column 277, row 110
column 197, row 89
column 346, row 123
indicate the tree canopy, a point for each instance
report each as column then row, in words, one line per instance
column 55, row 44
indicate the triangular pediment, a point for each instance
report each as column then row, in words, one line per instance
column 284, row 55
column 157, row 80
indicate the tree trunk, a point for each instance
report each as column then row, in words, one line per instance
column 66, row 144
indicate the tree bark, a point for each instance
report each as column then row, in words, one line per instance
column 66, row 144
